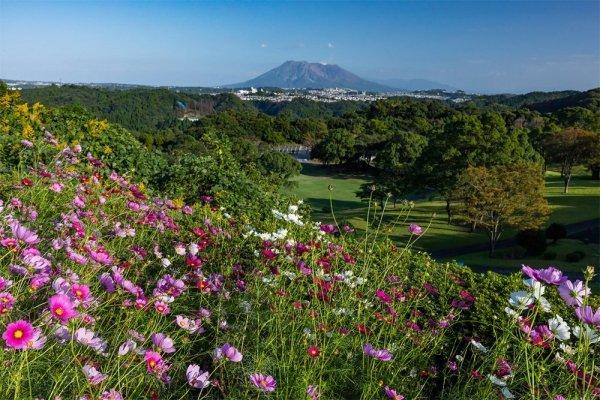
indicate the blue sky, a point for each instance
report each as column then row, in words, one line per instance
column 483, row 46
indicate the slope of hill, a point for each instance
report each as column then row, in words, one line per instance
column 302, row 74
column 588, row 99
column 138, row 109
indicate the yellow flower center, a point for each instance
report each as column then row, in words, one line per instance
column 59, row 311
column 152, row 363
column 18, row 334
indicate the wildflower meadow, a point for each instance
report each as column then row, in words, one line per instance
column 110, row 289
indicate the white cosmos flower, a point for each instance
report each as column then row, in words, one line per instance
column 586, row 333
column 479, row 346
column 507, row 393
column 559, row 328
column 496, row 381
column 520, row 299
column 544, row 304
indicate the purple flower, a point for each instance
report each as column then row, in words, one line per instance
column 229, row 352
column 26, row 143
column 93, row 375
column 196, row 377
column 126, row 347
column 587, row 315
column 573, row 293
column 380, row 354
column 265, row 383
column 111, row 394
column 312, row 391
column 163, row 342
column 415, row 229
column 23, row 234
column 392, row 394
column 549, row 275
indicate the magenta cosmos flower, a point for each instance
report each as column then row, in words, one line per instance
column 229, row 352
column 573, row 292
column 415, row 229
column 153, row 360
column 380, row 354
column 392, row 394
column 61, row 307
column 550, row 275
column 586, row 314
column 265, row 383
column 18, row 334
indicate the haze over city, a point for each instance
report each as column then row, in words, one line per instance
column 475, row 46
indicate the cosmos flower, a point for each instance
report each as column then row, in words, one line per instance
column 380, row 354
column 265, row 383
column 61, row 307
column 196, row 377
column 587, row 315
column 126, row 347
column 550, row 275
column 18, row 334
column 392, row 394
column 163, row 342
column 313, row 351
column 93, row 375
column 573, row 292
column 153, row 360
column 312, row 391
column 229, row 352
column 415, row 229
column 80, row 292
column 111, row 394
column 559, row 328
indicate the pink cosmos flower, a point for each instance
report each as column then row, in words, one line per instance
column 153, row 360
column 23, row 234
column 18, row 334
column 78, row 202
column 383, row 296
column 573, row 292
column 229, row 352
column 392, row 394
column 587, row 315
column 550, row 275
column 93, row 375
column 26, row 143
column 61, row 307
column 415, row 229
column 380, row 354
column 312, row 391
column 163, row 342
column 80, row 292
column 265, row 383
column 196, row 377
column 56, row 187
column 111, row 394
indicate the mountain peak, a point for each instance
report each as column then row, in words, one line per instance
column 304, row 74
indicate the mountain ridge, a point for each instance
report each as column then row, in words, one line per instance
column 304, row 75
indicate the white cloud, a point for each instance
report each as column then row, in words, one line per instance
column 330, row 45
column 263, row 45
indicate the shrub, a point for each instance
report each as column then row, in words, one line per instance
column 556, row 231
column 550, row 255
column 575, row 256
column 534, row 241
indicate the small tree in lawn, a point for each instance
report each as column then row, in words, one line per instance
column 501, row 196
column 569, row 148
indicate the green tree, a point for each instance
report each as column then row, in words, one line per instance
column 335, row 148
column 571, row 147
column 504, row 195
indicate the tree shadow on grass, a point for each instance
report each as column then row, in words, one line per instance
column 326, row 171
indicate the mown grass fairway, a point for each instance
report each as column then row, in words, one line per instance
column 582, row 203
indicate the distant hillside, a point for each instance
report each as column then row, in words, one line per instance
column 416, row 84
column 305, row 108
column 138, row 109
column 589, row 99
column 302, row 74
column 542, row 101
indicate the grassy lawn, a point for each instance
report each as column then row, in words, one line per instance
column 561, row 248
column 581, row 204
